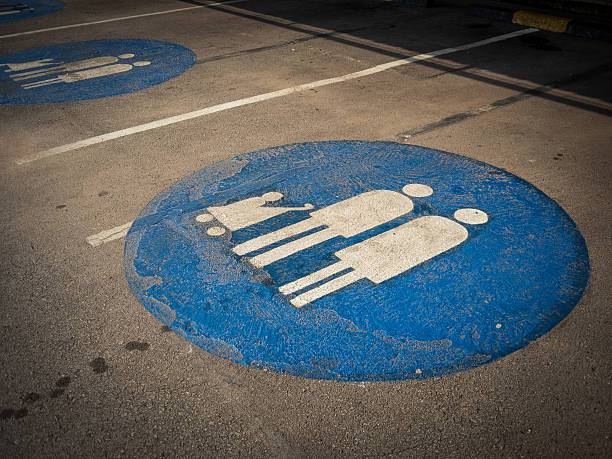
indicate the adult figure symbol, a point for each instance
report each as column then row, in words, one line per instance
column 345, row 218
column 384, row 256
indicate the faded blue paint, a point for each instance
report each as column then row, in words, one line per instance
column 524, row 270
column 167, row 60
column 16, row 10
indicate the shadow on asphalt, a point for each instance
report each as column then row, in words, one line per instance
column 400, row 31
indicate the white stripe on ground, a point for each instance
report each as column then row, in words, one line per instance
column 260, row 98
column 120, row 231
column 109, row 235
column 70, row 26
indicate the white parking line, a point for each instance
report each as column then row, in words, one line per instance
column 109, row 235
column 122, row 230
column 70, row 26
column 260, row 98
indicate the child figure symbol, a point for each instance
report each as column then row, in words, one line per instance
column 245, row 213
column 69, row 72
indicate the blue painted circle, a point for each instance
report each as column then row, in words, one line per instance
column 89, row 70
column 510, row 281
column 15, row 10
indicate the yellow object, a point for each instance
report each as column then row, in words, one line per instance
column 541, row 21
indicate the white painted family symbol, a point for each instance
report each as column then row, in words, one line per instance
column 86, row 70
column 16, row 11
column 69, row 72
column 377, row 259
column 19, row 8
column 356, row 261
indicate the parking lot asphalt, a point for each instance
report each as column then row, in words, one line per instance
column 87, row 371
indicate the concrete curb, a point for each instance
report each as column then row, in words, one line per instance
column 543, row 22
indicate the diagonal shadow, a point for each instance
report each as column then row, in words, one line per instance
column 399, row 32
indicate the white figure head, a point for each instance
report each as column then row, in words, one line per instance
column 417, row 190
column 204, row 218
column 471, row 216
column 272, row 196
column 215, row 231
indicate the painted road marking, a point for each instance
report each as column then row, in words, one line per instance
column 390, row 261
column 377, row 259
column 583, row 102
column 104, row 21
column 70, row 72
column 373, row 208
column 262, row 97
column 388, row 255
column 89, row 70
column 109, row 235
column 12, row 10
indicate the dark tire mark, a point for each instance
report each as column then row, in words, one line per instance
column 540, row 91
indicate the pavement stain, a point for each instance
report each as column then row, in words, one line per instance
column 55, row 393
column 137, row 346
column 98, row 365
column 63, row 381
column 31, row 397
column 61, row 384
column 10, row 413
